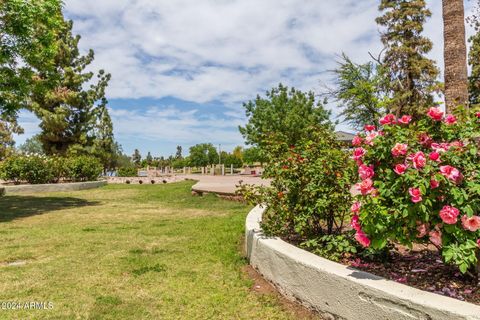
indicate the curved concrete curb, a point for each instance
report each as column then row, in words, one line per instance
column 341, row 292
column 54, row 187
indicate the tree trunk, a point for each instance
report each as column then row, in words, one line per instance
column 455, row 55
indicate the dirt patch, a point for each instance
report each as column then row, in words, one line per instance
column 263, row 287
column 423, row 269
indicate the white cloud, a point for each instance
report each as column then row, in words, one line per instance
column 222, row 50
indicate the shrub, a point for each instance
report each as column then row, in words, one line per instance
column 31, row 169
column 140, row 182
column 127, row 172
column 83, row 168
column 309, row 194
column 420, row 183
column 152, row 181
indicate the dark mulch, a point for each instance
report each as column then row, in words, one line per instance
column 423, row 269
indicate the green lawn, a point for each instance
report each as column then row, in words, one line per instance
column 128, row 252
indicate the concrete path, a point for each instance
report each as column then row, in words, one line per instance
column 225, row 185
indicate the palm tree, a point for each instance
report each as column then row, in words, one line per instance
column 455, row 54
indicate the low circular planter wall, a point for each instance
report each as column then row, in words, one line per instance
column 54, row 187
column 341, row 292
column 144, row 180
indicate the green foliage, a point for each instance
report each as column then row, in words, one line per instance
column 440, row 170
column 8, row 127
column 202, row 155
column 28, row 30
column 285, row 114
column 310, row 187
column 359, row 92
column 69, row 113
column 411, row 76
column 149, row 158
column 104, row 147
column 474, row 60
column 32, row 145
column 253, row 155
column 136, row 157
column 127, row 172
column 332, row 247
column 178, row 154
column 37, row 169
column 31, row 169
column 83, row 168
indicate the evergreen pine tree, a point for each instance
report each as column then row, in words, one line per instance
column 149, row 158
column 136, row 157
column 412, row 76
column 178, row 155
column 105, row 147
column 68, row 112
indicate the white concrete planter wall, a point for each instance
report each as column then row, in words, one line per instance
column 340, row 292
column 54, row 187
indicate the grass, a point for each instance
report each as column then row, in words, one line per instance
column 127, row 252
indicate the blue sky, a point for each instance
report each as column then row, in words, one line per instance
column 181, row 69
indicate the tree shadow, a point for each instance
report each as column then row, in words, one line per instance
column 16, row 206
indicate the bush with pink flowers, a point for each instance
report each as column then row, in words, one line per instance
column 419, row 182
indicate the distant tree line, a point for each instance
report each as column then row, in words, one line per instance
column 200, row 155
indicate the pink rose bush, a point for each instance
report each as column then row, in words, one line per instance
column 419, row 182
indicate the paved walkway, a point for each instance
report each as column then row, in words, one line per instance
column 222, row 184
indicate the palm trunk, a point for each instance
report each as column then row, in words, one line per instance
column 455, row 55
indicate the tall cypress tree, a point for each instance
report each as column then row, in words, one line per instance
column 474, row 59
column 412, row 76
column 105, row 148
column 69, row 112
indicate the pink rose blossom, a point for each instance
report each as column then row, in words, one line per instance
column 362, row 238
column 369, row 138
column 456, row 144
column 451, row 173
column 434, row 184
column 400, row 149
column 435, row 113
column 355, row 223
column 425, row 140
column 422, row 229
column 440, row 147
column 357, row 141
column 436, row 237
column 366, row 187
column 365, row 172
column 400, row 168
column 477, row 115
column 450, row 119
column 416, row 195
column 419, row 160
column 369, row 127
column 471, row 224
column 356, row 207
column 478, row 241
column 434, row 156
column 405, row 119
column 358, row 153
column 388, row 119
column 449, row 214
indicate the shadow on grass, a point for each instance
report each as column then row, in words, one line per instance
column 15, row 206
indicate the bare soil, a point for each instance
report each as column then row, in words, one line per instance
column 424, row 269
